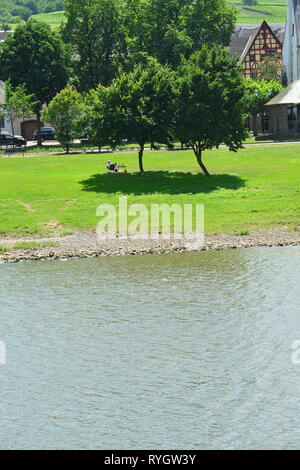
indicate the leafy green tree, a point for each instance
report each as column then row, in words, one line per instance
column 210, row 22
column 94, row 101
column 210, row 107
column 18, row 104
column 66, row 113
column 54, row 5
column 138, row 106
column 258, row 93
column 271, row 68
column 169, row 29
column 22, row 12
column 4, row 26
column 35, row 56
column 95, row 30
column 156, row 27
column 32, row 5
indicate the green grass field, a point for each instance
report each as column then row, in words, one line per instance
column 256, row 188
column 273, row 11
column 54, row 19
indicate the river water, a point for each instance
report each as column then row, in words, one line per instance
column 189, row 350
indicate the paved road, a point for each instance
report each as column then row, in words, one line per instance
column 48, row 143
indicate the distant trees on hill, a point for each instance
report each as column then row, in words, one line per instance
column 13, row 11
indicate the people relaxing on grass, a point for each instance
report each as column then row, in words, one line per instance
column 112, row 166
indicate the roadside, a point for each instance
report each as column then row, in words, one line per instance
column 85, row 244
column 53, row 148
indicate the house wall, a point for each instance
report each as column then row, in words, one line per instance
column 278, row 119
column 5, row 125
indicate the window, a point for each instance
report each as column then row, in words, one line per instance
column 253, row 75
column 270, row 51
column 252, row 58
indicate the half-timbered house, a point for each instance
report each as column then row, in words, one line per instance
column 253, row 43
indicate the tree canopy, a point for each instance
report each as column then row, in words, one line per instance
column 95, row 29
column 18, row 104
column 35, row 56
column 138, row 106
column 169, row 29
column 257, row 94
column 109, row 35
column 210, row 106
column 66, row 112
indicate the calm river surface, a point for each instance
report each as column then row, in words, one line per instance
column 189, row 350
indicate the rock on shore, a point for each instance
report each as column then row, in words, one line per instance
column 86, row 244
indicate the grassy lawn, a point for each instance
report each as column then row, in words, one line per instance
column 257, row 188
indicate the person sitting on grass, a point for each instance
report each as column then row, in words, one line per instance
column 111, row 166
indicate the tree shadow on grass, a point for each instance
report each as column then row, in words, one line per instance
column 160, row 182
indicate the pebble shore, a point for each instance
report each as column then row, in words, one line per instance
column 86, row 244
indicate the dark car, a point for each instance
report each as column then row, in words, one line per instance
column 8, row 139
column 19, row 140
column 47, row 133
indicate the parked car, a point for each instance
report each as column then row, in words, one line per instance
column 8, row 139
column 20, row 140
column 47, row 133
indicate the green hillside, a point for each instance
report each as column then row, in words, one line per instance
column 54, row 19
column 273, row 11
column 14, row 12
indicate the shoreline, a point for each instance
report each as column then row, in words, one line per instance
column 85, row 245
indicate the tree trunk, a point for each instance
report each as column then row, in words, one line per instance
column 68, row 141
column 38, row 118
column 12, row 129
column 141, row 151
column 198, row 154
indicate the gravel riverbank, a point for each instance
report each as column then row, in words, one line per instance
column 85, row 244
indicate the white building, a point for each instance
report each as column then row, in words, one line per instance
column 291, row 44
column 284, row 108
column 21, row 127
column 4, row 34
column 4, row 123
